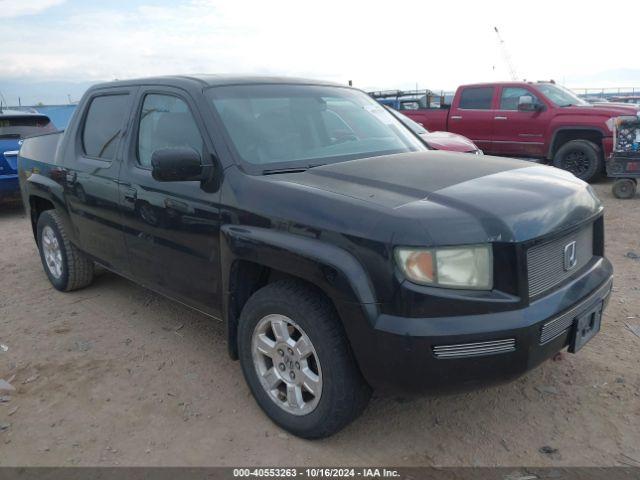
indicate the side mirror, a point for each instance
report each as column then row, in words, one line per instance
column 176, row 164
column 526, row 104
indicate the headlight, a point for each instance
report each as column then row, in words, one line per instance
column 452, row 267
column 611, row 123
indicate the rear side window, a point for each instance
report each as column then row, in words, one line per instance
column 476, row 98
column 103, row 124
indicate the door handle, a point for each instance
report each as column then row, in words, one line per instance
column 455, row 117
column 500, row 118
column 131, row 194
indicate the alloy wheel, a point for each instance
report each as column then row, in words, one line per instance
column 576, row 162
column 287, row 364
column 52, row 252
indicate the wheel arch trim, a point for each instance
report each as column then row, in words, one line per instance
column 558, row 130
column 330, row 268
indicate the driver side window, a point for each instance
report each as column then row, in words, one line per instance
column 166, row 122
column 511, row 96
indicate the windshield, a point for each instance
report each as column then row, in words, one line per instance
column 20, row 127
column 561, row 96
column 415, row 127
column 298, row 126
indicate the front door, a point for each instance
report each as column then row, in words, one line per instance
column 171, row 228
column 519, row 133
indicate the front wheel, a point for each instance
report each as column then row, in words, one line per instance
column 297, row 361
column 580, row 157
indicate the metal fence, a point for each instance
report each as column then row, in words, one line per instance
column 607, row 92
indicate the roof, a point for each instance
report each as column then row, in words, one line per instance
column 215, row 80
column 502, row 83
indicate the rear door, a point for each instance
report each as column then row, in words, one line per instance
column 427, row 111
column 519, row 133
column 92, row 163
column 172, row 229
column 472, row 115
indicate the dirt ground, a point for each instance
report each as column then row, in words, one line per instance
column 117, row 375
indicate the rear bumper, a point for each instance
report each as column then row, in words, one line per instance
column 9, row 185
column 417, row 354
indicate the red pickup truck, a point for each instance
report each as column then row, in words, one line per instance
column 540, row 120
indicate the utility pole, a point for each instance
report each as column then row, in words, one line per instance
column 506, row 56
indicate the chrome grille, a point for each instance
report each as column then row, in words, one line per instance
column 545, row 262
column 476, row 349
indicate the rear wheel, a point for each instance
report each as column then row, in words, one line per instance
column 624, row 188
column 67, row 267
column 297, row 361
column 580, row 157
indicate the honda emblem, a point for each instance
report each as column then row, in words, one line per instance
column 570, row 256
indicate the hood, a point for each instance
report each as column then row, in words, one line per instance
column 604, row 110
column 451, row 142
column 444, row 198
column 616, row 104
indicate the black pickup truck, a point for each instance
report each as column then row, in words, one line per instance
column 339, row 252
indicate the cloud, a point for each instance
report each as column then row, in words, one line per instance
column 332, row 39
column 411, row 43
column 18, row 8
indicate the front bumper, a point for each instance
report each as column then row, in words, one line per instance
column 607, row 146
column 417, row 354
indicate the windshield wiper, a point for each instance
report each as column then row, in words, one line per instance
column 9, row 135
column 302, row 168
column 275, row 171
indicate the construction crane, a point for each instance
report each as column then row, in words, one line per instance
column 506, row 56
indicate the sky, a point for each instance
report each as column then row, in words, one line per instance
column 51, row 50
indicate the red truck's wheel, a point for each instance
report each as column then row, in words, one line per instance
column 580, row 157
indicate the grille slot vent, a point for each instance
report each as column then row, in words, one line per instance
column 476, row 349
column 560, row 324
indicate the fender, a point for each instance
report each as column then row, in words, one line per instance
column 570, row 127
column 37, row 180
column 334, row 270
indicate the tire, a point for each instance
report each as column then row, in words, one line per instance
column 580, row 157
column 624, row 188
column 67, row 268
column 343, row 393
